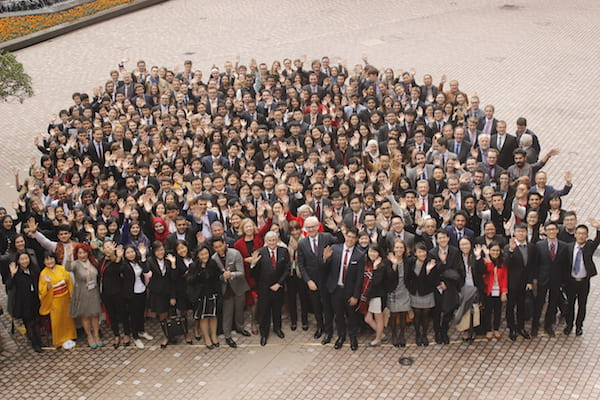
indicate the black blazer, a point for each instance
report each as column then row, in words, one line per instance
column 505, row 158
column 263, row 271
column 354, row 272
column 478, row 269
column 453, row 261
column 519, row 273
column 111, row 278
column 202, row 281
column 311, row 265
column 551, row 272
column 463, row 151
column 25, row 286
column 376, row 287
column 160, row 284
column 423, row 283
column 128, row 277
column 589, row 248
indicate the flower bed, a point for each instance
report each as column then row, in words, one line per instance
column 13, row 27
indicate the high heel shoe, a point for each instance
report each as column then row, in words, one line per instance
column 164, row 345
column 217, row 344
column 210, row 347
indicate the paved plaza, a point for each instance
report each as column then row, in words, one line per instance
column 533, row 58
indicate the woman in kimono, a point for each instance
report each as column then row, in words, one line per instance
column 55, row 290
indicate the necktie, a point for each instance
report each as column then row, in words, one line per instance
column 355, row 220
column 488, row 126
column 458, row 235
column 552, row 251
column 345, row 265
column 423, row 204
column 100, row 153
column 456, row 147
column 443, row 157
column 314, row 246
column 319, row 209
column 578, row 259
column 273, row 260
column 500, row 137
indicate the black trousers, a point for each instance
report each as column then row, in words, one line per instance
column 32, row 325
column 492, row 310
column 135, row 307
column 577, row 291
column 346, row 318
column 515, row 301
column 116, row 309
column 296, row 287
column 269, row 308
column 441, row 320
column 553, row 294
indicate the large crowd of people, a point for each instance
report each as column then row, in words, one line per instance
column 349, row 194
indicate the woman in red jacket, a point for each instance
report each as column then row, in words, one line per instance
column 252, row 239
column 496, row 286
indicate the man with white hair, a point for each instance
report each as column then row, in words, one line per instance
column 312, row 268
column 270, row 267
column 526, row 143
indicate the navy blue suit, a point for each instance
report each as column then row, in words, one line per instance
column 351, row 287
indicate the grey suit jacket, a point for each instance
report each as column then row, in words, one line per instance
column 411, row 174
column 235, row 264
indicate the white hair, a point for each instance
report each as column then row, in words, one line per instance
column 311, row 220
column 270, row 235
column 526, row 140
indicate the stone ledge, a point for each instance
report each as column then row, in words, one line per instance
column 57, row 30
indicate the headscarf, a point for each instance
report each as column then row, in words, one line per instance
column 161, row 237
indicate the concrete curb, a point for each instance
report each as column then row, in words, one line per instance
column 54, row 31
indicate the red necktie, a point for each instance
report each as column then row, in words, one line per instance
column 315, row 248
column 552, row 251
column 319, row 210
column 355, row 220
column 273, row 261
column 423, row 204
column 345, row 266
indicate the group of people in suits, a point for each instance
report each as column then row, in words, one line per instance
column 350, row 190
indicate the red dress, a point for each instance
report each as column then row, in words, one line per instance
column 240, row 245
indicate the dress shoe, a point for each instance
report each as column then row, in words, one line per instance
column 534, row 332
column 294, row 327
column 217, row 344
column 304, row 327
column 243, row 332
column 418, row 340
column 550, row 331
column 318, row 333
column 263, row 340
column 37, row 348
column 568, row 329
column 339, row 342
column 424, row 340
column 578, row 331
column 231, row 342
column 210, row 346
column 279, row 333
column 445, row 338
column 512, row 335
column 326, row 339
column 354, row 343
column 438, row 338
column 524, row 333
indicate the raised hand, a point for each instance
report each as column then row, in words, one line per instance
column 477, row 250
column 172, row 260
column 255, row 257
column 13, row 268
column 327, row 252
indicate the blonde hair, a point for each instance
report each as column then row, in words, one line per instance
column 243, row 224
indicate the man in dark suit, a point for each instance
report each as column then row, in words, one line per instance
column 552, row 259
column 578, row 273
column 346, row 266
column 356, row 213
column 313, row 86
column 505, row 143
column 459, row 145
column 233, row 287
column 215, row 153
column 452, row 278
column 270, row 266
column 319, row 202
column 428, row 90
column 459, row 229
column 183, row 231
column 488, row 123
column 98, row 147
column 520, row 258
column 312, row 268
column 397, row 231
column 126, row 86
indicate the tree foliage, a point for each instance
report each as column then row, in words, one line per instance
column 15, row 84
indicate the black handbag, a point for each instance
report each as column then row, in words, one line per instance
column 174, row 325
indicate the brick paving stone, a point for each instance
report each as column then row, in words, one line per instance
column 534, row 60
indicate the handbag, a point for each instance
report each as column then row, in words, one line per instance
column 174, row 325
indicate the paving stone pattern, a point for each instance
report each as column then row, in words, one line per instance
column 537, row 59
